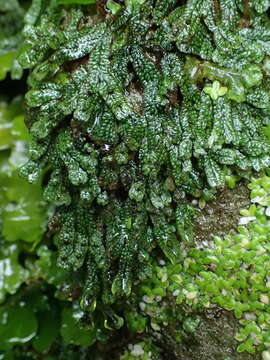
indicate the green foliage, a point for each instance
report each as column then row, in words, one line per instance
column 232, row 272
column 18, row 326
column 70, row 330
column 127, row 124
column 131, row 115
column 141, row 351
column 229, row 272
column 12, row 273
column 35, row 297
column 82, row 2
column 11, row 24
column 6, row 62
column 23, row 214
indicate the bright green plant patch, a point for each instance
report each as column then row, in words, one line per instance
column 231, row 272
column 136, row 113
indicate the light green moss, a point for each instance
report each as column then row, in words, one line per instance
column 141, row 351
column 233, row 273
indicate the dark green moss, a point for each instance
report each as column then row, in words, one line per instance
column 133, row 114
column 137, row 113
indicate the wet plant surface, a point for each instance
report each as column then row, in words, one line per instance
column 135, row 228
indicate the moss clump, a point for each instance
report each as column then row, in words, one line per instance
column 133, row 113
column 231, row 272
column 135, row 110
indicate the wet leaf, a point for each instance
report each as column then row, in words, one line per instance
column 47, row 331
column 6, row 62
column 23, row 221
column 18, row 325
column 47, row 266
column 12, row 274
column 6, row 137
column 72, row 331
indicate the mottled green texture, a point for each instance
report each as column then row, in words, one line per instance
column 138, row 114
column 194, row 305
column 133, row 113
column 152, row 325
column 230, row 272
column 23, row 216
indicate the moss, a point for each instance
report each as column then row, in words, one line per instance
column 133, row 114
column 137, row 113
column 187, row 302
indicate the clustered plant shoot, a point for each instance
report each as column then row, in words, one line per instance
column 121, row 123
